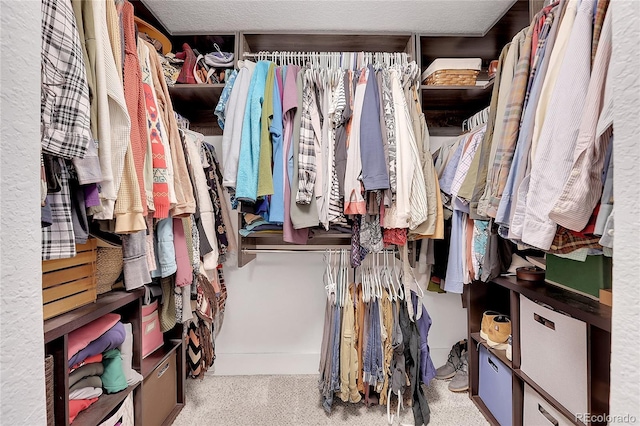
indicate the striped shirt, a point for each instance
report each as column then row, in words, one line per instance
column 583, row 188
column 551, row 165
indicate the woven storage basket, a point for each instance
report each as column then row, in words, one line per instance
column 48, row 381
column 452, row 78
column 109, row 266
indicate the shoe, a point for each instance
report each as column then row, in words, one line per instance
column 499, row 332
column 186, row 73
column 460, row 382
column 487, row 317
column 509, row 353
column 454, row 361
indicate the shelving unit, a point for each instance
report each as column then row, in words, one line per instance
column 445, row 107
column 503, row 294
column 129, row 306
column 56, row 331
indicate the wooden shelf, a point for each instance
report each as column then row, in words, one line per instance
column 576, row 305
column 483, row 86
column 354, row 42
column 156, row 358
column 58, row 326
column 468, row 99
column 483, row 409
column 197, row 102
column 174, row 413
column 501, row 355
column 97, row 412
column 201, row 95
column 551, row 400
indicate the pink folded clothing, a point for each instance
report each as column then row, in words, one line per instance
column 80, row 338
column 77, row 405
column 91, row 360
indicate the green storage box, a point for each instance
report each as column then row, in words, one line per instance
column 586, row 277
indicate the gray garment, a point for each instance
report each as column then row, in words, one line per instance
column 341, row 135
column 326, row 357
column 87, row 370
column 421, row 412
column 374, row 165
column 134, row 256
column 88, row 168
column 302, row 215
column 85, row 393
column 383, row 123
column 87, row 382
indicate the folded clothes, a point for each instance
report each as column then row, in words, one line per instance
column 77, row 405
column 113, row 379
column 80, row 338
column 85, row 393
column 94, row 369
column 109, row 340
column 87, row 382
column 89, row 360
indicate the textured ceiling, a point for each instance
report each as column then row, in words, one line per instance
column 464, row 17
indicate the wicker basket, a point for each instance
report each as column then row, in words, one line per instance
column 109, row 266
column 452, row 78
column 48, row 380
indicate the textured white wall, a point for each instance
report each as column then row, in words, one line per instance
column 625, row 360
column 21, row 351
column 275, row 315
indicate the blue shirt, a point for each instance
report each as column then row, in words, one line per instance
column 276, row 207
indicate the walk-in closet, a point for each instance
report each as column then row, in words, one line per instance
column 320, row 213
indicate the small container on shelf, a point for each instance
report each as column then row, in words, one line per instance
column 452, row 72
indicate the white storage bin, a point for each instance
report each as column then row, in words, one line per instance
column 537, row 411
column 553, row 349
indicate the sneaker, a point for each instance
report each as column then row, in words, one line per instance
column 454, row 362
column 487, row 317
column 499, row 332
column 460, row 382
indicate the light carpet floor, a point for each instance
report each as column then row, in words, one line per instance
column 295, row 401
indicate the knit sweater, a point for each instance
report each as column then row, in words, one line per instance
column 154, row 131
column 185, row 202
column 113, row 122
column 134, row 97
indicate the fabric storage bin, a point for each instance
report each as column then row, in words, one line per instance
column 495, row 387
column 160, row 392
column 537, row 411
column 152, row 338
column 553, row 353
column 586, row 278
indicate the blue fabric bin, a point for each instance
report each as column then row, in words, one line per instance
column 495, row 387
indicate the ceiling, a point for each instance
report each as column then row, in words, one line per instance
column 429, row 17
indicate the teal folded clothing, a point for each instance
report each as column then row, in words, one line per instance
column 113, row 378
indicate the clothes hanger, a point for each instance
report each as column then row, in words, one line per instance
column 387, row 276
column 379, row 292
